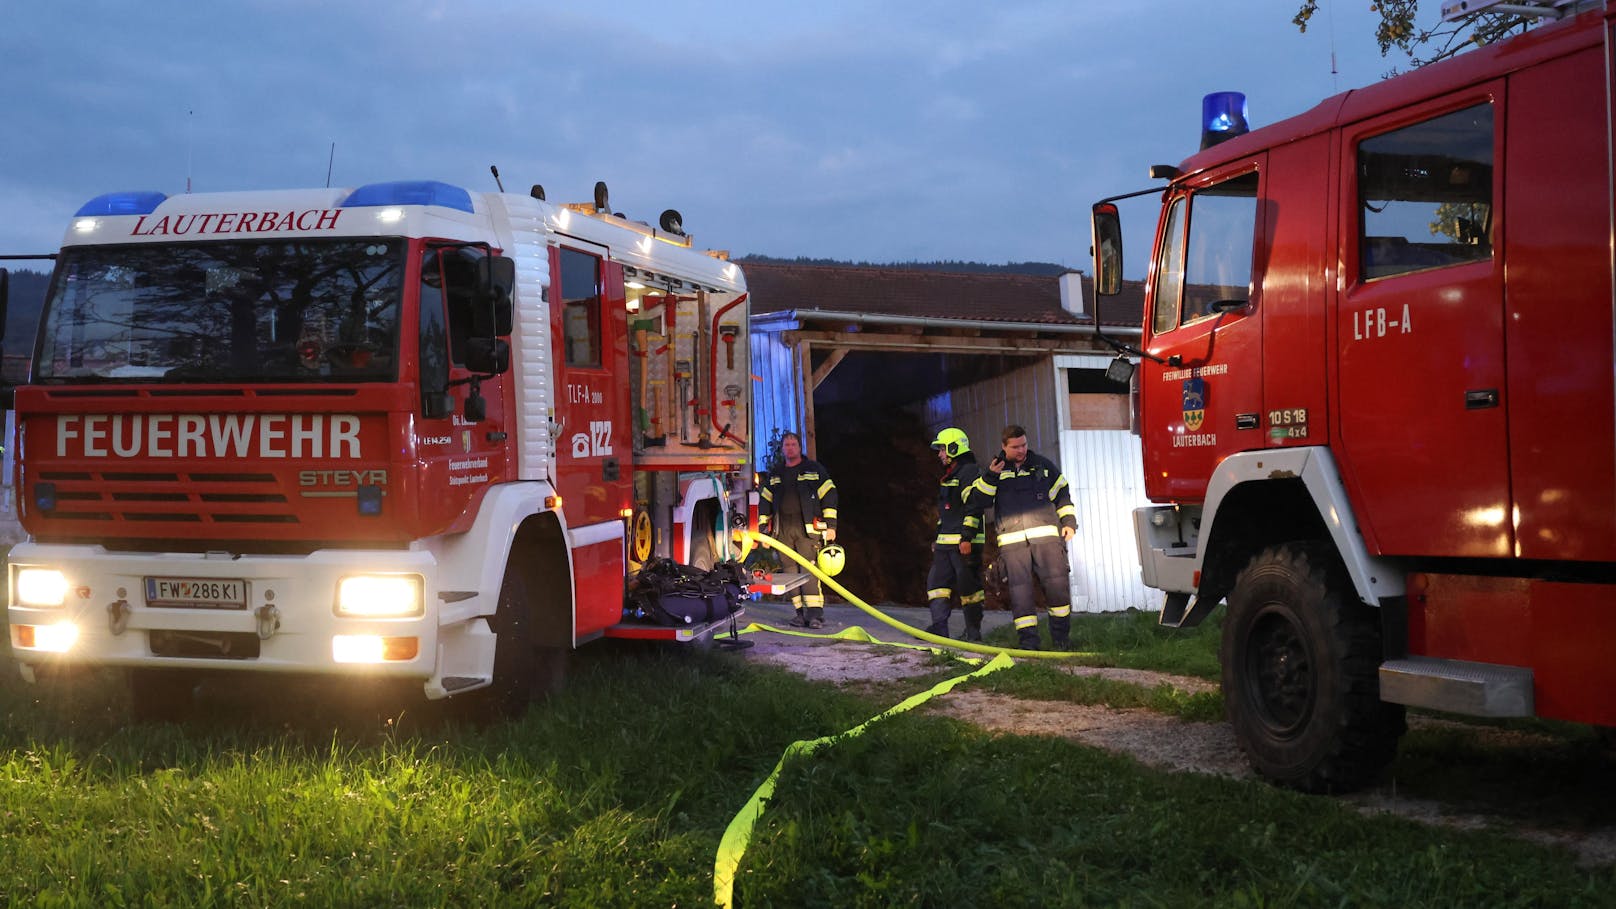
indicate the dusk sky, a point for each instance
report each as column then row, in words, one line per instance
column 853, row 129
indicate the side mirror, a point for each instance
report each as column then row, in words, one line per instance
column 496, row 282
column 1107, row 225
column 1119, row 370
column 488, row 356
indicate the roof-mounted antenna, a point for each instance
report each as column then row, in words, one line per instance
column 328, row 164
column 495, row 171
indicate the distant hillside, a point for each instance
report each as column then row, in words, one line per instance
column 1009, row 268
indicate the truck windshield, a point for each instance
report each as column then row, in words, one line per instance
column 264, row 311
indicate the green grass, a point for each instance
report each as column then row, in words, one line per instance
column 1134, row 640
column 1044, row 681
column 615, row 793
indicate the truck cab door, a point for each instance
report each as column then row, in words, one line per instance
column 1201, row 389
column 458, row 459
column 594, row 466
column 1420, row 329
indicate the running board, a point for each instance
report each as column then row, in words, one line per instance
column 1174, row 605
column 1457, row 686
column 1183, row 610
column 681, row 634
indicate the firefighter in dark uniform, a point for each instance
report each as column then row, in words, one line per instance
column 798, row 507
column 1034, row 515
column 956, row 555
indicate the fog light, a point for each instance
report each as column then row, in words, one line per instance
column 57, row 638
column 373, row 648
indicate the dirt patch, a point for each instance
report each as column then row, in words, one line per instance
column 844, row 663
column 1150, row 738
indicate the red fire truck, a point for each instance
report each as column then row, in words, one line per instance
column 403, row 431
column 1376, row 401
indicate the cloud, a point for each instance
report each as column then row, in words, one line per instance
column 855, row 128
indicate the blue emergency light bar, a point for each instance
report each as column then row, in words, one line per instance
column 1223, row 116
column 409, row 192
column 135, row 203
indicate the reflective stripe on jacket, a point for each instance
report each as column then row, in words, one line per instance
column 956, row 522
column 1030, row 501
column 816, row 492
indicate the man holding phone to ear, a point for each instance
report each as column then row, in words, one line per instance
column 1035, row 517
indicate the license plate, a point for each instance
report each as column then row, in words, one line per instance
column 197, row 593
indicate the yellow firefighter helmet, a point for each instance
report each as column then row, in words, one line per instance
column 832, row 559
column 952, row 442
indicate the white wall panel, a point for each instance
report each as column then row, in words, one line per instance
column 1106, row 472
column 776, row 393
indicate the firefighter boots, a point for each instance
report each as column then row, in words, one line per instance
column 815, row 615
column 973, row 623
column 939, row 618
column 1060, row 631
column 1027, row 638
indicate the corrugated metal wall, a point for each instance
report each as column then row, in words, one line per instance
column 1027, row 396
column 1106, row 472
column 776, row 392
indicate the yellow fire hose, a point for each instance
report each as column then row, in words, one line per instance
column 738, row 835
column 747, row 537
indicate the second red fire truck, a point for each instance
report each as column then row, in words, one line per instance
column 1376, row 401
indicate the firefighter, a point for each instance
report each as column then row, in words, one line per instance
column 956, row 554
column 1034, row 515
column 798, row 507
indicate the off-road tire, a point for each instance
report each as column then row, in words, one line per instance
column 1301, row 656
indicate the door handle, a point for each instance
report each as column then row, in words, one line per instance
column 1481, row 398
column 610, row 470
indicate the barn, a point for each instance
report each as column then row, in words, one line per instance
column 868, row 363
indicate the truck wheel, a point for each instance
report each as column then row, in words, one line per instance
column 1301, row 656
column 523, row 671
column 702, row 548
column 161, row 695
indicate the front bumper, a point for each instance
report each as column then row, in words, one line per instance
column 289, row 623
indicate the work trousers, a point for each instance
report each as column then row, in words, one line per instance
column 950, row 574
column 795, row 535
column 1041, row 560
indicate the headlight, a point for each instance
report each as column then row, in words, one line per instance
column 379, row 595
column 41, row 587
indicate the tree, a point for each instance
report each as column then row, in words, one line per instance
column 1397, row 29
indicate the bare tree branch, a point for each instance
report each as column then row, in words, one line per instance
column 1398, row 29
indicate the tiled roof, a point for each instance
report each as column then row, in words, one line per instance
column 876, row 290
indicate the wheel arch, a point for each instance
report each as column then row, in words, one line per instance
column 540, row 550
column 472, row 564
column 1260, row 498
